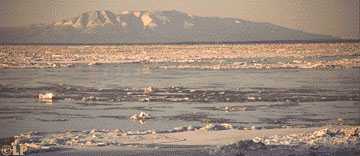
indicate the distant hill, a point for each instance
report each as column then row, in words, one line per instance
column 151, row 27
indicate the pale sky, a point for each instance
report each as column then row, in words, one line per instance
column 332, row 17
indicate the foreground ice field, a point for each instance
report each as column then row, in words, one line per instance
column 189, row 90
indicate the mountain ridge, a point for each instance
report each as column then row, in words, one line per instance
column 169, row 26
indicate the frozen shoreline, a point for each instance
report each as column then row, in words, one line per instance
column 215, row 141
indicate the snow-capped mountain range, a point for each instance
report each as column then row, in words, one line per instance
column 102, row 26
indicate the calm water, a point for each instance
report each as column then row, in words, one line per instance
column 272, row 98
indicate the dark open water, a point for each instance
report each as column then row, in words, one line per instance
column 104, row 96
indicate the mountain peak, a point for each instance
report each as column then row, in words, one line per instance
column 90, row 19
column 104, row 26
column 101, row 18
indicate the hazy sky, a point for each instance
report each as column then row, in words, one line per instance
column 334, row 17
